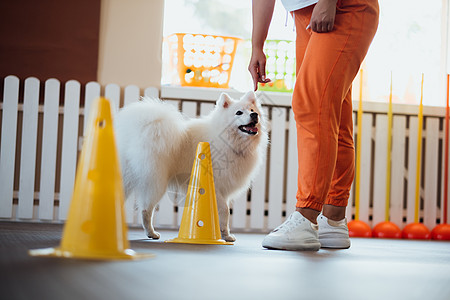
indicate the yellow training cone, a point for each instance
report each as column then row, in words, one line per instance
column 200, row 222
column 96, row 228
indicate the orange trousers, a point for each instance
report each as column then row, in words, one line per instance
column 327, row 64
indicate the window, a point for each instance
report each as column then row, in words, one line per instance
column 411, row 40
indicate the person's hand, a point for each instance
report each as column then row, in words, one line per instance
column 257, row 67
column 322, row 18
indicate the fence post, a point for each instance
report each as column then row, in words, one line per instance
column 8, row 146
column 69, row 146
column 28, row 152
column 398, row 169
column 49, row 146
column 431, row 172
column 277, row 166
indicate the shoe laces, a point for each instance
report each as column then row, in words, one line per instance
column 289, row 224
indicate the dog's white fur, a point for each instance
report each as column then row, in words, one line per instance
column 157, row 145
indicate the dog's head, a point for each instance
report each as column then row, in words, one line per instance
column 243, row 116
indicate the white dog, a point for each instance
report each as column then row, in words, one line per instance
column 157, row 145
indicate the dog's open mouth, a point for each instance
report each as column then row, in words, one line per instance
column 250, row 128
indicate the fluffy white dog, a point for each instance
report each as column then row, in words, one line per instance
column 157, row 145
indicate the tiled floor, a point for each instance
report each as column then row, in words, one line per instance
column 370, row 269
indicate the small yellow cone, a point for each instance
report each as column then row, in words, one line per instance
column 95, row 227
column 200, row 221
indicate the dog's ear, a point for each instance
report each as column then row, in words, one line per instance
column 224, row 100
column 250, row 97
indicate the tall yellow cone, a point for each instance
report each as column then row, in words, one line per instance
column 96, row 228
column 200, row 221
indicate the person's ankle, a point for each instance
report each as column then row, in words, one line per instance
column 332, row 212
column 309, row 214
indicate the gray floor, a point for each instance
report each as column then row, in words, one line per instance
column 370, row 269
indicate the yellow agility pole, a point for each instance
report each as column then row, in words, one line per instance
column 419, row 155
column 418, row 230
column 358, row 228
column 388, row 229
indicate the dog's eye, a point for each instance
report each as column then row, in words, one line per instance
column 238, row 113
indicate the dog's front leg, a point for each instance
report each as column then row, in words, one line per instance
column 147, row 222
column 224, row 217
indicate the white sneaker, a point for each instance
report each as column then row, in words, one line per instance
column 333, row 234
column 296, row 233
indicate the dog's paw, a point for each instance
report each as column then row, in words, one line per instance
column 153, row 235
column 229, row 237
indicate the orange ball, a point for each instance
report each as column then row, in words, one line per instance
column 416, row 231
column 441, row 232
column 357, row 228
column 387, row 230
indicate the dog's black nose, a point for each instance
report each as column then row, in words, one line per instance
column 254, row 116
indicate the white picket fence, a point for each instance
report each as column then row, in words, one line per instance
column 40, row 142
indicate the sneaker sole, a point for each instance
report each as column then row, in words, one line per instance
column 334, row 243
column 293, row 246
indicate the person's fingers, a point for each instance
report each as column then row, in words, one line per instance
column 314, row 26
column 262, row 71
column 321, row 27
column 255, row 84
column 330, row 26
column 254, row 73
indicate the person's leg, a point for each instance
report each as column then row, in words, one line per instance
column 302, row 19
column 333, row 229
column 328, row 67
column 344, row 171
